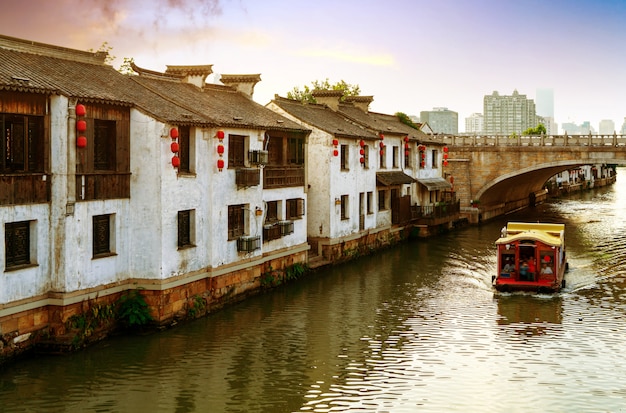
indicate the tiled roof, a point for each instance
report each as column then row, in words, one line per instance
column 324, row 118
column 393, row 178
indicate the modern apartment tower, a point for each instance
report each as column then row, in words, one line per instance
column 508, row 114
column 474, row 123
column 441, row 120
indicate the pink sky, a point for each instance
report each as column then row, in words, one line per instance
column 411, row 55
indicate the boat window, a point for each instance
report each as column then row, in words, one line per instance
column 547, row 257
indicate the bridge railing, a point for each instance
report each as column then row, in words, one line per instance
column 531, row 140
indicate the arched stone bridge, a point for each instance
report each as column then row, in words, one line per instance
column 501, row 171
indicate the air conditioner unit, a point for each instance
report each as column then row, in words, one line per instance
column 286, row 227
column 258, row 157
column 248, row 243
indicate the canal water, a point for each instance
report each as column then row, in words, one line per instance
column 416, row 328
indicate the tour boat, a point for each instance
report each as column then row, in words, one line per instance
column 531, row 257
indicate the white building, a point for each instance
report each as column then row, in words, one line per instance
column 474, row 124
column 606, row 127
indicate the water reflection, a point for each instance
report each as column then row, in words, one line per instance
column 529, row 315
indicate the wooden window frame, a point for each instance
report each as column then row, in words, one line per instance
column 185, row 228
column 17, row 245
column 102, row 227
column 294, row 208
column 236, row 221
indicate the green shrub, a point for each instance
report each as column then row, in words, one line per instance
column 133, row 310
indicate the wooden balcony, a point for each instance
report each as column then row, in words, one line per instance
column 283, row 176
column 108, row 185
column 247, row 177
column 24, row 188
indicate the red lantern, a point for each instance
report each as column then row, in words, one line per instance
column 362, row 152
column 406, row 146
column 80, row 110
column 81, row 126
column 174, row 147
column 422, row 164
column 451, row 179
column 382, row 145
column 220, row 149
column 406, row 152
column 423, row 155
column 220, row 164
column 362, row 143
column 335, row 142
column 445, row 162
column 381, row 136
column 445, row 155
column 81, row 142
column 175, row 161
column 382, row 152
column 335, row 152
column 445, row 149
column 220, row 134
column 362, row 159
column 173, row 133
column 406, row 138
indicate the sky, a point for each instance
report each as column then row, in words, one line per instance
column 410, row 55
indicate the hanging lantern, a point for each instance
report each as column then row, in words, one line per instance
column 220, row 149
column 335, row 142
column 173, row 133
column 220, row 134
column 381, row 136
column 362, row 159
column 220, row 164
column 445, row 162
column 406, row 138
column 335, row 152
column 445, row 149
column 175, row 161
column 81, row 126
column 422, row 164
column 423, row 155
column 362, row 143
column 362, row 152
column 81, row 142
column 406, row 152
column 382, row 145
column 80, row 110
column 382, row 152
column 445, row 155
column 406, row 146
column 174, row 147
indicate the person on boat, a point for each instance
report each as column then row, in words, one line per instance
column 532, row 268
column 508, row 266
column 545, row 269
column 523, row 271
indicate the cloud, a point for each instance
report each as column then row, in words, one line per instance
column 352, row 57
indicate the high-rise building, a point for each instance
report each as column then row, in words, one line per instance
column 441, row 120
column 545, row 103
column 505, row 115
column 606, row 127
column 623, row 130
column 474, row 123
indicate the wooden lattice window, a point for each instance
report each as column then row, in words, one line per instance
column 272, row 212
column 184, row 228
column 22, row 148
column 236, row 151
column 104, row 145
column 17, row 244
column 295, row 208
column 236, row 221
column 184, row 149
column 101, row 235
column 345, row 207
column 345, row 160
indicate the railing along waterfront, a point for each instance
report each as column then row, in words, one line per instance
column 531, row 140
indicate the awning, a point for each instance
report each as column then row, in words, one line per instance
column 435, row 184
column 393, row 178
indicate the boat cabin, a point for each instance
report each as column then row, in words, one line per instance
column 531, row 257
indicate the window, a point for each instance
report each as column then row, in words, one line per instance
column 383, row 164
column 16, row 244
column 394, row 157
column 104, row 145
column 102, row 235
column 345, row 208
column 434, row 158
column 345, row 161
column 23, row 144
column 236, row 151
column 236, row 221
column 271, row 214
column 370, row 196
column 185, row 228
column 382, row 205
column 295, row 208
column 407, row 158
column 184, row 149
column 295, row 151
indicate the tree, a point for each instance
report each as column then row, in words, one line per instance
column 305, row 95
column 126, row 68
column 106, row 49
column 538, row 130
column 404, row 118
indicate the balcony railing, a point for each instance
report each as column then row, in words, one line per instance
column 24, row 188
column 247, row 176
column 109, row 185
column 271, row 232
column 248, row 243
column 440, row 210
column 282, row 176
column 258, row 157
